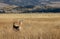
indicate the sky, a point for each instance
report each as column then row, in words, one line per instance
column 25, row 2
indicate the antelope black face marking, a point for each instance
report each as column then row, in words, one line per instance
column 16, row 27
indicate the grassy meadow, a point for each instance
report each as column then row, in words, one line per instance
column 34, row 26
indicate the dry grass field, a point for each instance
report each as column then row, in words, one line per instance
column 34, row 26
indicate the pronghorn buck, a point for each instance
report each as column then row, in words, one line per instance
column 17, row 25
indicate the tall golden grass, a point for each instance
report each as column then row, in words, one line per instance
column 32, row 28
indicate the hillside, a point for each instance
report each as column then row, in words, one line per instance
column 3, row 5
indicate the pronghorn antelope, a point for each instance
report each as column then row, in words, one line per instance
column 17, row 25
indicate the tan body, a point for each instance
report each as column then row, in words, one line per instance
column 17, row 25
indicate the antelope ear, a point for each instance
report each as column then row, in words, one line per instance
column 19, row 21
